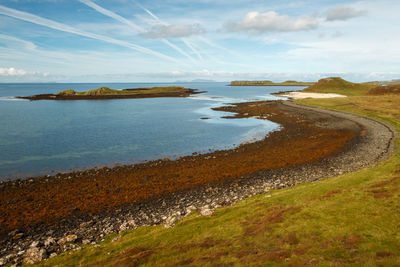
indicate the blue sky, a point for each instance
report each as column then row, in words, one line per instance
column 169, row 40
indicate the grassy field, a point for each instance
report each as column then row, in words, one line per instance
column 352, row 219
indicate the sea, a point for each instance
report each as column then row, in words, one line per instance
column 45, row 137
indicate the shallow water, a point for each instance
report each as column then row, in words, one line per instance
column 42, row 137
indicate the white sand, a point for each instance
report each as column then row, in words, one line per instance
column 301, row 95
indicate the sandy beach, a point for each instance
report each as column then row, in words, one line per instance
column 302, row 95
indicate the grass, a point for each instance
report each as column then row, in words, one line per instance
column 108, row 91
column 337, row 85
column 350, row 220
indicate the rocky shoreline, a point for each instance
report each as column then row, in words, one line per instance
column 40, row 241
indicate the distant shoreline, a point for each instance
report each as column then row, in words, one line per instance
column 270, row 83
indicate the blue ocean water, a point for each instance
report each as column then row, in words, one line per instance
column 42, row 137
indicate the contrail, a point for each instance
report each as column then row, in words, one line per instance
column 111, row 14
column 190, row 45
column 130, row 23
column 163, row 23
column 66, row 28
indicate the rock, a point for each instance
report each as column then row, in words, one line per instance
column 18, row 236
column 124, row 226
column 169, row 222
column 49, row 241
column 205, row 211
column 109, row 230
column 85, row 241
column 68, row 238
column 34, row 254
column 34, row 244
column 53, row 255
column 71, row 238
column 2, row 262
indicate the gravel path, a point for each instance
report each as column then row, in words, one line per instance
column 374, row 144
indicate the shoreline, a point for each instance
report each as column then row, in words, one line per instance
column 166, row 207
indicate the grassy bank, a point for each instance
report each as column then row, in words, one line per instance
column 348, row 220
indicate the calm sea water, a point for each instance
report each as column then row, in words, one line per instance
column 43, row 137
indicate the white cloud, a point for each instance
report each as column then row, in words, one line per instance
column 20, row 72
column 173, row 31
column 12, row 72
column 255, row 23
column 343, row 13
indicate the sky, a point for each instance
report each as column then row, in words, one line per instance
column 184, row 40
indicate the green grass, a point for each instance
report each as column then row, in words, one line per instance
column 108, row 91
column 351, row 220
column 339, row 86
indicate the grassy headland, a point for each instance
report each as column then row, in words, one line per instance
column 107, row 93
column 269, row 83
column 339, row 86
column 351, row 220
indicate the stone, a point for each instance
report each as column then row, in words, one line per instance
column 124, row 226
column 71, row 238
column 18, row 236
column 205, row 211
column 34, row 255
column 53, row 255
column 68, row 238
column 34, row 244
column 169, row 222
column 49, row 241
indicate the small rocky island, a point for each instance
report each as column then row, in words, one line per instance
column 107, row 93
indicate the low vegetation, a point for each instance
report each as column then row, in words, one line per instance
column 108, row 91
column 350, row 220
column 385, row 90
column 270, row 83
column 339, row 86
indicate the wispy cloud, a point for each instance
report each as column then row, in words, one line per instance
column 66, row 28
column 125, row 21
column 158, row 20
column 173, row 31
column 343, row 13
column 256, row 23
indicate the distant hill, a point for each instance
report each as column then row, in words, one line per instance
column 270, row 83
column 339, row 86
column 385, row 90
